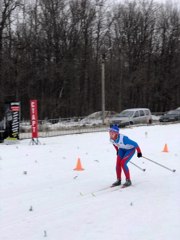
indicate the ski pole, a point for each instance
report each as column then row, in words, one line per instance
column 142, row 169
column 172, row 170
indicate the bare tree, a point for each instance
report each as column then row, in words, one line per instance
column 53, row 53
column 7, row 8
column 167, row 79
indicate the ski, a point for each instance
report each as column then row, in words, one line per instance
column 132, row 185
column 93, row 193
column 126, row 186
column 107, row 190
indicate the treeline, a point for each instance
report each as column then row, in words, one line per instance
column 52, row 51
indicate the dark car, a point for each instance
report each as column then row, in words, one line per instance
column 2, row 130
column 171, row 116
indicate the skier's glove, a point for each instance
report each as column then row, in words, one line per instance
column 139, row 155
column 117, row 153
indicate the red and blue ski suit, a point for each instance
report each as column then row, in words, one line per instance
column 125, row 148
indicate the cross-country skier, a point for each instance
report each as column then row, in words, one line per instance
column 125, row 148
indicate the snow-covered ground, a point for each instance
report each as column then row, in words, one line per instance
column 42, row 197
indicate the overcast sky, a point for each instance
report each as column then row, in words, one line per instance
column 169, row 2
column 161, row 1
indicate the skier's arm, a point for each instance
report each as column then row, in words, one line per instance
column 133, row 143
column 116, row 148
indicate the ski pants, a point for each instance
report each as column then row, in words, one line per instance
column 123, row 157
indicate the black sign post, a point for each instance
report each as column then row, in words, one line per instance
column 12, row 116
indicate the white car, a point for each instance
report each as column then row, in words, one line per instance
column 96, row 118
column 132, row 116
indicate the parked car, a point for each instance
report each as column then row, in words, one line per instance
column 132, row 116
column 2, row 130
column 2, row 125
column 170, row 116
column 96, row 118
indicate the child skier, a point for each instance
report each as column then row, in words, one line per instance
column 125, row 148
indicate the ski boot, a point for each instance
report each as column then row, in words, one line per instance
column 117, row 183
column 127, row 183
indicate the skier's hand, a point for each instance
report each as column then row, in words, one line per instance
column 117, row 153
column 139, row 154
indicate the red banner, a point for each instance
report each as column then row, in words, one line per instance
column 34, row 118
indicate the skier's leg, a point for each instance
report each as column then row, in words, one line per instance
column 118, row 167
column 118, row 172
column 127, row 157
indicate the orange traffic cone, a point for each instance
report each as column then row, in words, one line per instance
column 78, row 166
column 165, row 148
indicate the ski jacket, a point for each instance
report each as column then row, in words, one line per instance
column 125, row 143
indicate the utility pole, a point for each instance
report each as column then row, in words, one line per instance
column 103, row 87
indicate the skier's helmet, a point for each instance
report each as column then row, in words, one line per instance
column 114, row 132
